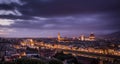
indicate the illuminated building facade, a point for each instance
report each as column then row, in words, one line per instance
column 60, row 38
column 90, row 38
column 82, row 38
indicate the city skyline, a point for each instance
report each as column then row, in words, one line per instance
column 43, row 18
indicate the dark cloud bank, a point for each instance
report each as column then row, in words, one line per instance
column 62, row 15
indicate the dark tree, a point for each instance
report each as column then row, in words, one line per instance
column 95, row 61
column 53, row 61
column 29, row 61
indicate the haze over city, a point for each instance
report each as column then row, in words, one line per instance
column 59, row 31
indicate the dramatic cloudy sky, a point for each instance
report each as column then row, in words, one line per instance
column 43, row 18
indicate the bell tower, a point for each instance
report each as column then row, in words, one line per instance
column 59, row 37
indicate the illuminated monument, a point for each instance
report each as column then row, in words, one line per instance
column 92, row 37
column 82, row 37
column 60, row 38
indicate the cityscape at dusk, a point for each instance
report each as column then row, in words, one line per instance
column 59, row 32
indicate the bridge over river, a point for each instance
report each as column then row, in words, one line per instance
column 92, row 55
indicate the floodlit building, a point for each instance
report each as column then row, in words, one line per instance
column 60, row 38
column 82, row 37
column 92, row 37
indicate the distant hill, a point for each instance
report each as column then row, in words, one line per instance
column 115, row 35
